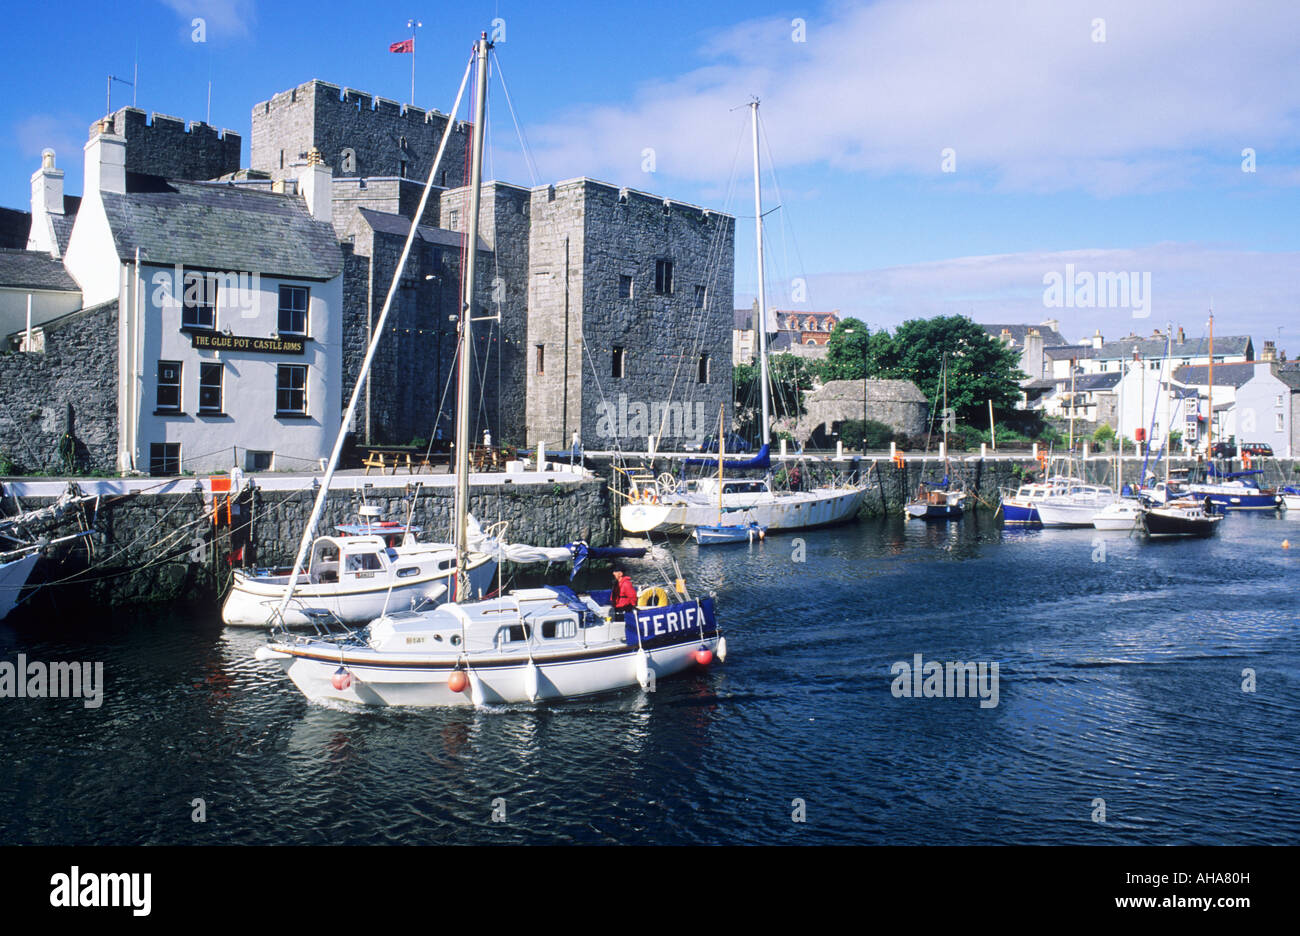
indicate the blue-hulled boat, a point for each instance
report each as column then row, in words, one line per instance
column 1235, row 490
column 727, row 533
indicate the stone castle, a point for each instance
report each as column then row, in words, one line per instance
column 594, row 290
column 589, row 293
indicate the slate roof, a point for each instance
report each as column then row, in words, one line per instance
column 14, row 228
column 1019, row 332
column 1225, row 375
column 1190, row 347
column 1069, row 352
column 743, row 320
column 386, row 223
column 1288, row 374
column 32, row 269
column 63, row 223
column 221, row 227
column 1087, row 383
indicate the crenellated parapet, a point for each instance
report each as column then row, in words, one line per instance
column 358, row 134
column 162, row 145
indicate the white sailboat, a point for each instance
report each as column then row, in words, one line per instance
column 356, row 576
column 530, row 644
column 666, row 506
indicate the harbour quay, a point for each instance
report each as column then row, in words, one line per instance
column 176, row 541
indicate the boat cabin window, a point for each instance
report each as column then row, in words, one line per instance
column 514, row 633
column 364, row 562
column 744, row 487
column 408, row 571
column 559, row 628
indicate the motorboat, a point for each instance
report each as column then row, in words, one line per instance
column 1075, row 507
column 1123, row 514
column 935, row 503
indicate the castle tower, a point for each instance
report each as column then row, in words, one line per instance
column 358, row 135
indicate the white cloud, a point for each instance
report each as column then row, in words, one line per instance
column 1253, row 292
column 1019, row 90
column 223, row 18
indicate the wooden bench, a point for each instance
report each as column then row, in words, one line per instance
column 392, row 459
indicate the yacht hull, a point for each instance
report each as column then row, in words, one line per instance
column 794, row 511
column 502, row 680
column 13, row 576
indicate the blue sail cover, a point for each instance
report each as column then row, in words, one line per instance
column 763, row 460
column 581, row 552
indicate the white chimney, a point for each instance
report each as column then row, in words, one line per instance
column 315, row 182
column 106, row 161
column 1097, row 340
column 47, row 199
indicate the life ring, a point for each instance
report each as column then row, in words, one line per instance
column 657, row 595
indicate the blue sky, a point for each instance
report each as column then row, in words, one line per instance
column 1122, row 155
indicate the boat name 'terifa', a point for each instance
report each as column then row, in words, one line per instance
column 688, row 617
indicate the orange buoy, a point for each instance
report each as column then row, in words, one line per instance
column 457, row 681
column 704, row 656
column 1286, row 544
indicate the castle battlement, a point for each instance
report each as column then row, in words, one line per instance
column 356, row 132
column 163, row 145
column 325, row 95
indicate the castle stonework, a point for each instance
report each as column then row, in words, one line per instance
column 165, row 146
column 647, row 318
column 357, row 134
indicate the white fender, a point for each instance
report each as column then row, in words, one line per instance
column 530, row 681
column 475, row 689
column 721, row 651
column 642, row 668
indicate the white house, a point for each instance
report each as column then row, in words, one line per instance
column 1268, row 408
column 230, row 324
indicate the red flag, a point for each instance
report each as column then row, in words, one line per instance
column 406, row 45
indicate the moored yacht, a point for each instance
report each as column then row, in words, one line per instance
column 1076, row 507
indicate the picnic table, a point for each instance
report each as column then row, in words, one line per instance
column 395, row 457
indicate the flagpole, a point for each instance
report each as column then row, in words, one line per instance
column 413, row 25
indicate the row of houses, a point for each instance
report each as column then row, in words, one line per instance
column 1126, row 384
column 189, row 313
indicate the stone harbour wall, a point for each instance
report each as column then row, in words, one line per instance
column 155, row 549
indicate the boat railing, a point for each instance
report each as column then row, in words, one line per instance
column 322, row 624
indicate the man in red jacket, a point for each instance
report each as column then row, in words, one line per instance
column 623, row 595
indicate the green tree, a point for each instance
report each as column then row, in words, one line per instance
column 789, row 378
column 851, row 346
column 1103, row 437
column 980, row 368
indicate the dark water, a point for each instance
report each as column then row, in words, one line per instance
column 1120, row 679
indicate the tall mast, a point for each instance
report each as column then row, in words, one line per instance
column 1209, row 418
column 1169, row 392
column 460, row 529
column 363, row 376
column 762, row 291
column 944, row 371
